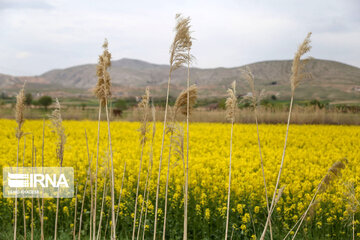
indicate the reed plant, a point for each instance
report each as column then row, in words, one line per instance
column 103, row 92
column 19, row 117
column 298, row 74
column 231, row 106
column 144, row 109
column 255, row 100
column 178, row 57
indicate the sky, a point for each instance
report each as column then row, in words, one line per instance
column 41, row 35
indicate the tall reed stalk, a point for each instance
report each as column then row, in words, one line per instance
column 144, row 109
column 298, row 74
column 120, row 195
column 186, row 198
column 23, row 200
column 102, row 203
column 88, row 178
column 255, row 98
column 150, row 165
column 103, row 92
column 96, row 171
column 19, row 116
column 185, row 100
column 352, row 203
column 178, row 57
column 231, row 105
column 32, row 199
column 75, row 212
column 58, row 128
column 42, row 169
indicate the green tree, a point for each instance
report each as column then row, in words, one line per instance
column 45, row 101
column 28, row 99
column 121, row 104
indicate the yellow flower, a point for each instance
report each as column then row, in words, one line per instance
column 243, row 227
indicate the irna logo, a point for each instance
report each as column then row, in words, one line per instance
column 35, row 180
column 47, row 182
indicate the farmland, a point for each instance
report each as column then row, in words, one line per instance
column 312, row 149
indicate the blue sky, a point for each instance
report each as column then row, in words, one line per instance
column 40, row 35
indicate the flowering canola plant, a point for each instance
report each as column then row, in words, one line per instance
column 311, row 150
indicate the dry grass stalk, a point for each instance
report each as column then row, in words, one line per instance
column 297, row 75
column 333, row 173
column 75, row 212
column 102, row 204
column 151, row 165
column 144, row 108
column 254, row 100
column 23, row 200
column 119, row 201
column 178, row 56
column 231, row 104
column 32, row 199
column 88, row 178
column 58, row 128
column 352, row 204
column 102, row 92
column 149, row 170
column 42, row 165
column 19, row 116
column 181, row 104
column 188, row 109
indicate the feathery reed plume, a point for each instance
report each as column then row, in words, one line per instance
column 144, row 108
column 179, row 54
column 19, row 116
column 231, row 104
column 58, row 128
column 182, row 100
column 333, row 173
column 296, row 76
column 254, row 100
column 102, row 89
column 298, row 67
column 19, row 112
column 151, row 164
column 102, row 92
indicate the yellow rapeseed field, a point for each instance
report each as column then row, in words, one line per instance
column 312, row 149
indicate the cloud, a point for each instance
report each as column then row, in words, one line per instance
column 24, row 4
column 228, row 33
column 22, row 55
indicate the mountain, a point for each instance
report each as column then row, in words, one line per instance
column 330, row 80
